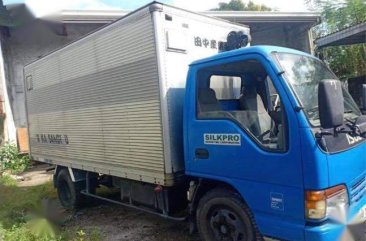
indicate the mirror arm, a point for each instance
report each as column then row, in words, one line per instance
column 319, row 136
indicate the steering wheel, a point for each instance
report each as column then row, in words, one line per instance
column 261, row 136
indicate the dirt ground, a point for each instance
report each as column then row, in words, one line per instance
column 114, row 222
column 119, row 223
column 36, row 176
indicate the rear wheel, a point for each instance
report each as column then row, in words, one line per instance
column 223, row 216
column 69, row 192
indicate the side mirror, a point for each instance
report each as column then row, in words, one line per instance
column 364, row 97
column 331, row 105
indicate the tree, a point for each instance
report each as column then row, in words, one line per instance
column 345, row 61
column 238, row 5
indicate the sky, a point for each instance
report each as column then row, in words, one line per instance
column 44, row 7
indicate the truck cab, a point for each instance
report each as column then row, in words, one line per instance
column 274, row 128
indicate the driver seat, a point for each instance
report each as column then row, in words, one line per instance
column 250, row 100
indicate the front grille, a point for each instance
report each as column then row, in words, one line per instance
column 358, row 189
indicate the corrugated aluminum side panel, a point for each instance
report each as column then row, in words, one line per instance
column 95, row 104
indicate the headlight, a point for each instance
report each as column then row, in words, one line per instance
column 330, row 203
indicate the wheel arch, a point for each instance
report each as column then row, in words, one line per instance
column 204, row 186
column 76, row 175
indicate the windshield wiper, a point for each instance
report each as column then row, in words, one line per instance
column 359, row 126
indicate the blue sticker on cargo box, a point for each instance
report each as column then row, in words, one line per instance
column 277, row 201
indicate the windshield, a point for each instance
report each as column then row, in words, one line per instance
column 304, row 73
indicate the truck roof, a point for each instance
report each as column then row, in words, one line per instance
column 259, row 49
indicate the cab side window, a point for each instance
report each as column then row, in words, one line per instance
column 245, row 94
column 226, row 87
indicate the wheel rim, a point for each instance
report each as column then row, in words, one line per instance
column 65, row 192
column 226, row 225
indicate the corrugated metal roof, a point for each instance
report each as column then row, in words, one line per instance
column 259, row 16
column 94, row 16
column 351, row 35
column 104, row 16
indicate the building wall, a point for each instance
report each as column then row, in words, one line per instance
column 7, row 128
column 24, row 45
column 290, row 35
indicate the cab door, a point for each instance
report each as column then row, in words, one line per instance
column 241, row 130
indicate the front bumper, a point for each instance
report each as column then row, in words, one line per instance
column 353, row 230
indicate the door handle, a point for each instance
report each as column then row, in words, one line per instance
column 201, row 153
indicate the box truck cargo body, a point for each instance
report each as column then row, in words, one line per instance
column 112, row 101
column 177, row 114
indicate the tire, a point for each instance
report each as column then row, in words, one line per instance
column 223, row 216
column 69, row 193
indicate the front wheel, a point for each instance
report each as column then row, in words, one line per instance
column 223, row 216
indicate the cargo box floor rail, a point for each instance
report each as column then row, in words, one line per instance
column 148, row 210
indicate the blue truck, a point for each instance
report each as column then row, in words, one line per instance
column 180, row 117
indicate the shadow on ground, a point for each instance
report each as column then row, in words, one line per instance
column 111, row 222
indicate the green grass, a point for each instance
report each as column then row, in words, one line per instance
column 21, row 215
column 7, row 181
column 16, row 206
column 16, row 202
